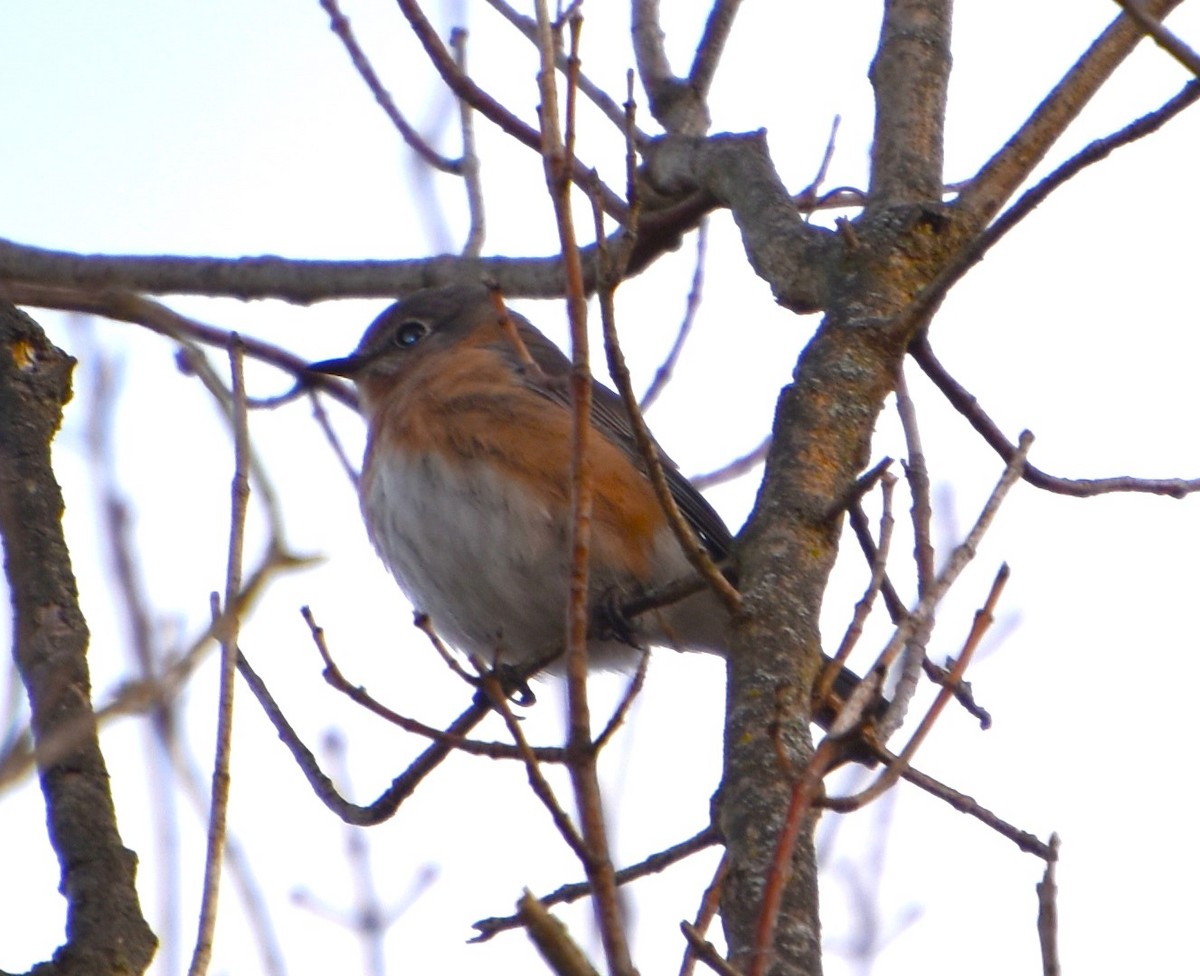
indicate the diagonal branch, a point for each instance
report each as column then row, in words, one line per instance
column 462, row 86
column 1000, row 176
column 339, row 23
column 712, row 44
column 1168, row 41
column 966, row 404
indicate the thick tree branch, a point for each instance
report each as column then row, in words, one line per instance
column 675, row 103
column 106, row 932
column 736, row 170
column 910, row 74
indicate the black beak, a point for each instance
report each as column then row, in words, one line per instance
column 347, row 366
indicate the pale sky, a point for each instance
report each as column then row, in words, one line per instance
column 239, row 128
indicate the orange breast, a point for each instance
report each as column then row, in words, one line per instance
column 470, row 406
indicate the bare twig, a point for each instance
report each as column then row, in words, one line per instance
column 537, row 782
column 227, row 623
column 340, row 25
column 596, row 94
column 862, row 609
column 558, row 156
column 1164, row 38
column 923, row 553
column 1047, row 919
column 966, row 404
column 653, row 864
column 402, row 786
column 1009, row 167
column 894, row 770
column 622, row 710
column 360, row 696
column 920, row 621
column 470, row 157
column 486, row 105
column 932, row 294
column 335, row 443
column 125, row 306
column 695, row 552
column 710, row 904
column 700, row 948
column 968, row 805
column 553, row 942
column 735, row 468
column 808, row 198
column 663, row 374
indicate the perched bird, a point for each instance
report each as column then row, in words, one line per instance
column 466, row 488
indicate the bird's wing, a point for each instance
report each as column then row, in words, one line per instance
column 610, row 418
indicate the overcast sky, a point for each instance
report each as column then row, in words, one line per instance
column 239, row 128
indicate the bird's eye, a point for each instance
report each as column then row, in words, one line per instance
column 409, row 333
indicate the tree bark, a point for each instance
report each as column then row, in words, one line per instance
column 106, row 932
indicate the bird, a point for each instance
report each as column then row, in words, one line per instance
column 466, row 490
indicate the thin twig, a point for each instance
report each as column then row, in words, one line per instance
column 894, row 770
column 1047, row 919
column 966, row 404
column 596, row 94
column 809, row 198
column 920, row 621
column 933, row 293
column 470, row 157
column 862, row 609
column 228, row 623
column 1010, row 166
column 897, row 611
column 917, row 472
column 1023, row 839
column 733, row 469
column 701, row 561
column 403, row 786
column 568, row 893
column 558, row 156
column 1161, row 36
column 554, row 943
column 703, row 950
column 340, row 25
column 321, row 418
column 125, row 306
column 622, row 710
column 710, row 904
column 486, row 105
column 663, row 374
column 360, row 696
column 537, row 782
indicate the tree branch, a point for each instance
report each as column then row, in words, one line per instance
column 1000, row 176
column 910, row 74
column 106, row 932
